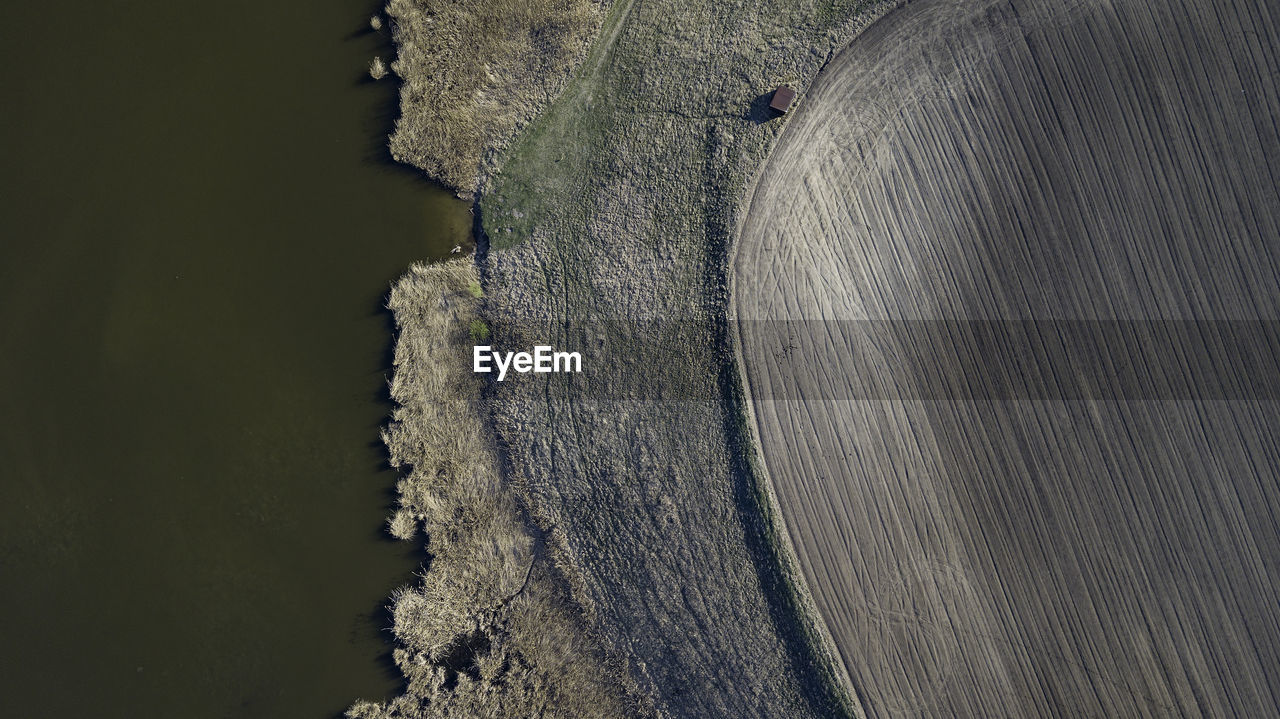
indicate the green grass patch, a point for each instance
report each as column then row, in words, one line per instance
column 473, row 70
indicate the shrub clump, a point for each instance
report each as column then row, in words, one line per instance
column 377, row 69
column 476, row 71
column 402, row 525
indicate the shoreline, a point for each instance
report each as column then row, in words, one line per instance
column 474, row 76
column 489, row 619
column 768, row 633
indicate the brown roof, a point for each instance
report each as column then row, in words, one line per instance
column 782, row 99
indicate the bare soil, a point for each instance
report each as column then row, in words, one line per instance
column 981, row 547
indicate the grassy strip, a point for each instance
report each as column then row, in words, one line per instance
column 628, row 189
column 475, row 72
column 489, row 629
column 795, row 606
column 625, row 198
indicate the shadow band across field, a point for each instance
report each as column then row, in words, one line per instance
column 1016, row 359
column 928, row 359
column 1057, row 495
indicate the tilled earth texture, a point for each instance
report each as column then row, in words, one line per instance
column 1007, row 295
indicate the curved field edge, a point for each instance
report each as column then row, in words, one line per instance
column 562, row 144
column 1010, row 644
column 793, row 594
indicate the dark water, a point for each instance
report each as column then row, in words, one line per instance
column 198, row 229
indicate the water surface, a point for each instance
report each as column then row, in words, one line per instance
column 199, row 226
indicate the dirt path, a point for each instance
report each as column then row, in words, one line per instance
column 999, row 518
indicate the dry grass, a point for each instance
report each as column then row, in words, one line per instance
column 618, row 205
column 475, row 71
column 489, row 630
column 625, row 193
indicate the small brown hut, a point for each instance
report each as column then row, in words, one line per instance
column 782, row 99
